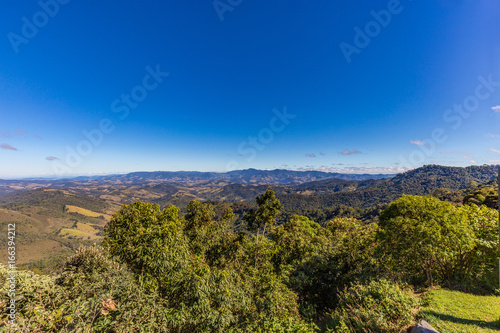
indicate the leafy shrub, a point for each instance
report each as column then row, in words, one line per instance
column 346, row 255
column 426, row 240
column 276, row 325
column 379, row 306
column 423, row 238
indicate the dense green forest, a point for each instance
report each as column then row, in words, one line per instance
column 159, row 270
column 421, row 181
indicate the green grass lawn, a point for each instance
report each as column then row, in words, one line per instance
column 457, row 312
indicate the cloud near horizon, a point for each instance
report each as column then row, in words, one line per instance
column 495, row 150
column 350, row 152
column 8, row 147
column 51, row 158
column 365, row 169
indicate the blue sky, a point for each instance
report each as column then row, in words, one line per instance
column 89, row 87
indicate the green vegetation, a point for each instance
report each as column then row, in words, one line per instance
column 421, row 181
column 430, row 240
column 379, row 306
column 46, row 232
column 159, row 271
column 301, row 258
column 458, row 312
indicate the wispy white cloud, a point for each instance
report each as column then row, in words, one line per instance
column 493, row 136
column 494, row 161
column 495, row 150
column 496, row 108
column 417, row 142
column 364, row 169
column 473, row 162
column 311, row 155
column 8, row 147
column 51, row 158
column 350, row 152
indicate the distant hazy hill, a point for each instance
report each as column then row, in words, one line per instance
column 185, row 178
column 249, row 176
column 52, row 199
column 297, row 189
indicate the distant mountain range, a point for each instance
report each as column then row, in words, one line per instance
column 189, row 178
column 248, row 176
column 297, row 189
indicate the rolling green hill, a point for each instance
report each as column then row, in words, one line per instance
column 421, row 181
column 47, row 231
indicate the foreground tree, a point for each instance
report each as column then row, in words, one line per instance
column 208, row 278
column 425, row 239
column 265, row 214
column 423, row 236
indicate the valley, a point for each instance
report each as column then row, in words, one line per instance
column 54, row 217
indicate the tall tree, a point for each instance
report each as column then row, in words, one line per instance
column 268, row 207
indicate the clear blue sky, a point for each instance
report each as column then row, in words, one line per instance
column 250, row 84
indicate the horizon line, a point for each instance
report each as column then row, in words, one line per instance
column 323, row 170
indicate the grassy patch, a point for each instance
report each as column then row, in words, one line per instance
column 78, row 234
column 457, row 312
column 85, row 212
column 72, row 232
column 84, row 227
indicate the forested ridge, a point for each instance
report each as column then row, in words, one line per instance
column 421, row 181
